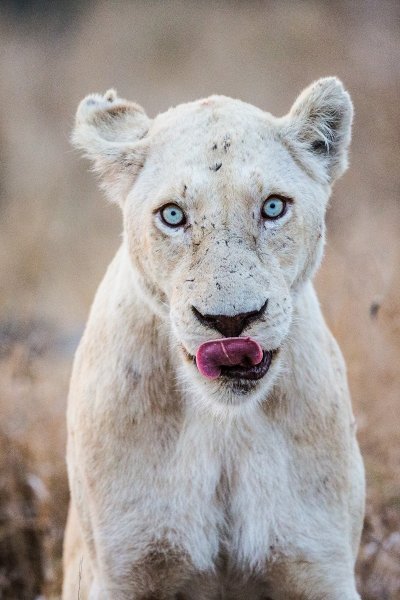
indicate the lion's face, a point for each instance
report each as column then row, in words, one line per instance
column 199, row 232
column 224, row 222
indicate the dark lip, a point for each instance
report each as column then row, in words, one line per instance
column 250, row 372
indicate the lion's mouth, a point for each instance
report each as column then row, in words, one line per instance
column 232, row 358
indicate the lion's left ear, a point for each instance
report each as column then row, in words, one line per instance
column 111, row 132
column 319, row 123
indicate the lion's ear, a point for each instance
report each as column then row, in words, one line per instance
column 320, row 123
column 111, row 132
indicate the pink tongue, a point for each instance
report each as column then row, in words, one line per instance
column 211, row 356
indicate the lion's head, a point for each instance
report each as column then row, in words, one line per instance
column 223, row 209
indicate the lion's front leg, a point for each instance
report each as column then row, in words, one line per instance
column 331, row 579
column 159, row 571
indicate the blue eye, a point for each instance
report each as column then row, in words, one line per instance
column 273, row 208
column 172, row 215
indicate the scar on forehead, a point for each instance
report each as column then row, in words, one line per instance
column 226, row 142
column 215, row 167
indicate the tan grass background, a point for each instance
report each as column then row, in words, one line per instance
column 57, row 234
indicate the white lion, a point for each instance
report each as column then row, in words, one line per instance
column 211, row 443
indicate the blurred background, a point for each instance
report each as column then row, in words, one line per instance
column 57, row 232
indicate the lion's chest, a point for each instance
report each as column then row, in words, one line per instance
column 212, row 493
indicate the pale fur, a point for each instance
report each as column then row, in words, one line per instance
column 181, row 487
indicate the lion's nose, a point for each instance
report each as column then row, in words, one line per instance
column 230, row 326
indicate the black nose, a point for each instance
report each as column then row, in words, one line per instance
column 230, row 326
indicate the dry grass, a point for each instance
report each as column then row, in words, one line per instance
column 56, row 237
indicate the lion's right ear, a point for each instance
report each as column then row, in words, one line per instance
column 111, row 132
